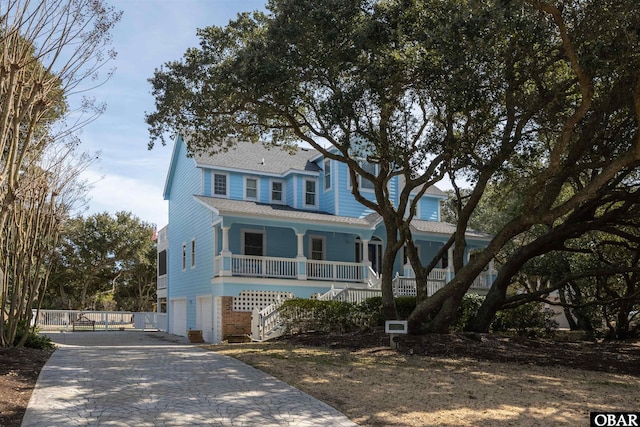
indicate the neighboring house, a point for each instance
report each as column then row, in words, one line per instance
column 251, row 225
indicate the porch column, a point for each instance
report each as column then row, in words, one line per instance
column 226, row 254
column 301, row 260
column 365, row 260
column 365, row 252
column 450, row 264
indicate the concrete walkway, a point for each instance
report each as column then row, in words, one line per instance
column 154, row 379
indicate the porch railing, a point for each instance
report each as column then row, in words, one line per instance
column 287, row 268
column 406, row 286
column 333, row 270
column 244, row 265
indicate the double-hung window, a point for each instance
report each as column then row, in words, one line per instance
column 251, row 188
column 310, row 193
column 327, row 174
column 277, row 192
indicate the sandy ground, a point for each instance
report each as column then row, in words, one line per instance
column 380, row 387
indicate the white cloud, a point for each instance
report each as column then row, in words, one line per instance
column 114, row 193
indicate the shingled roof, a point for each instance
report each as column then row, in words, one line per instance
column 258, row 158
column 261, row 210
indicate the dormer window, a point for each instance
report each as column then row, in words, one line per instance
column 310, row 193
column 277, row 192
column 251, row 188
column 220, row 184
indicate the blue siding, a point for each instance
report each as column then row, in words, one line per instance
column 206, row 183
column 188, row 220
column 329, row 196
column 348, row 204
column 236, row 184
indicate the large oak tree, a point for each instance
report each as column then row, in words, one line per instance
column 524, row 90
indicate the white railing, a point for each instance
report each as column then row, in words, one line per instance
column 64, row 319
column 374, row 279
column 482, row 281
column 266, row 323
column 356, row 295
column 287, row 268
column 162, row 282
column 334, row 270
column 406, row 286
column 256, row 266
column 329, row 295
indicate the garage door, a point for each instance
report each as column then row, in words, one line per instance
column 178, row 314
column 204, row 317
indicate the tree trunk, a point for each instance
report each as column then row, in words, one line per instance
column 573, row 325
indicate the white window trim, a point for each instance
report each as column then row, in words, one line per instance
column 327, row 161
column 193, row 253
column 184, row 256
column 253, row 231
column 324, row 246
column 213, row 184
column 284, row 192
column 255, row 199
column 304, row 193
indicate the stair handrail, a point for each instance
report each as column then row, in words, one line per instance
column 265, row 321
column 373, row 280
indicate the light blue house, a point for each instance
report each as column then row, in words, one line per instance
column 251, row 225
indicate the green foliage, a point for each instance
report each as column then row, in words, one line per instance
column 528, row 319
column 104, row 262
column 371, row 311
column 34, row 339
column 467, row 310
column 302, row 315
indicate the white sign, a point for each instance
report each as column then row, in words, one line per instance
column 396, row 327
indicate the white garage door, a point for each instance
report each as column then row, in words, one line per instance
column 178, row 314
column 204, row 317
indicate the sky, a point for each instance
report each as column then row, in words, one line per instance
column 129, row 177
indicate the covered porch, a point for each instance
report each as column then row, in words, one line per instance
column 277, row 242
